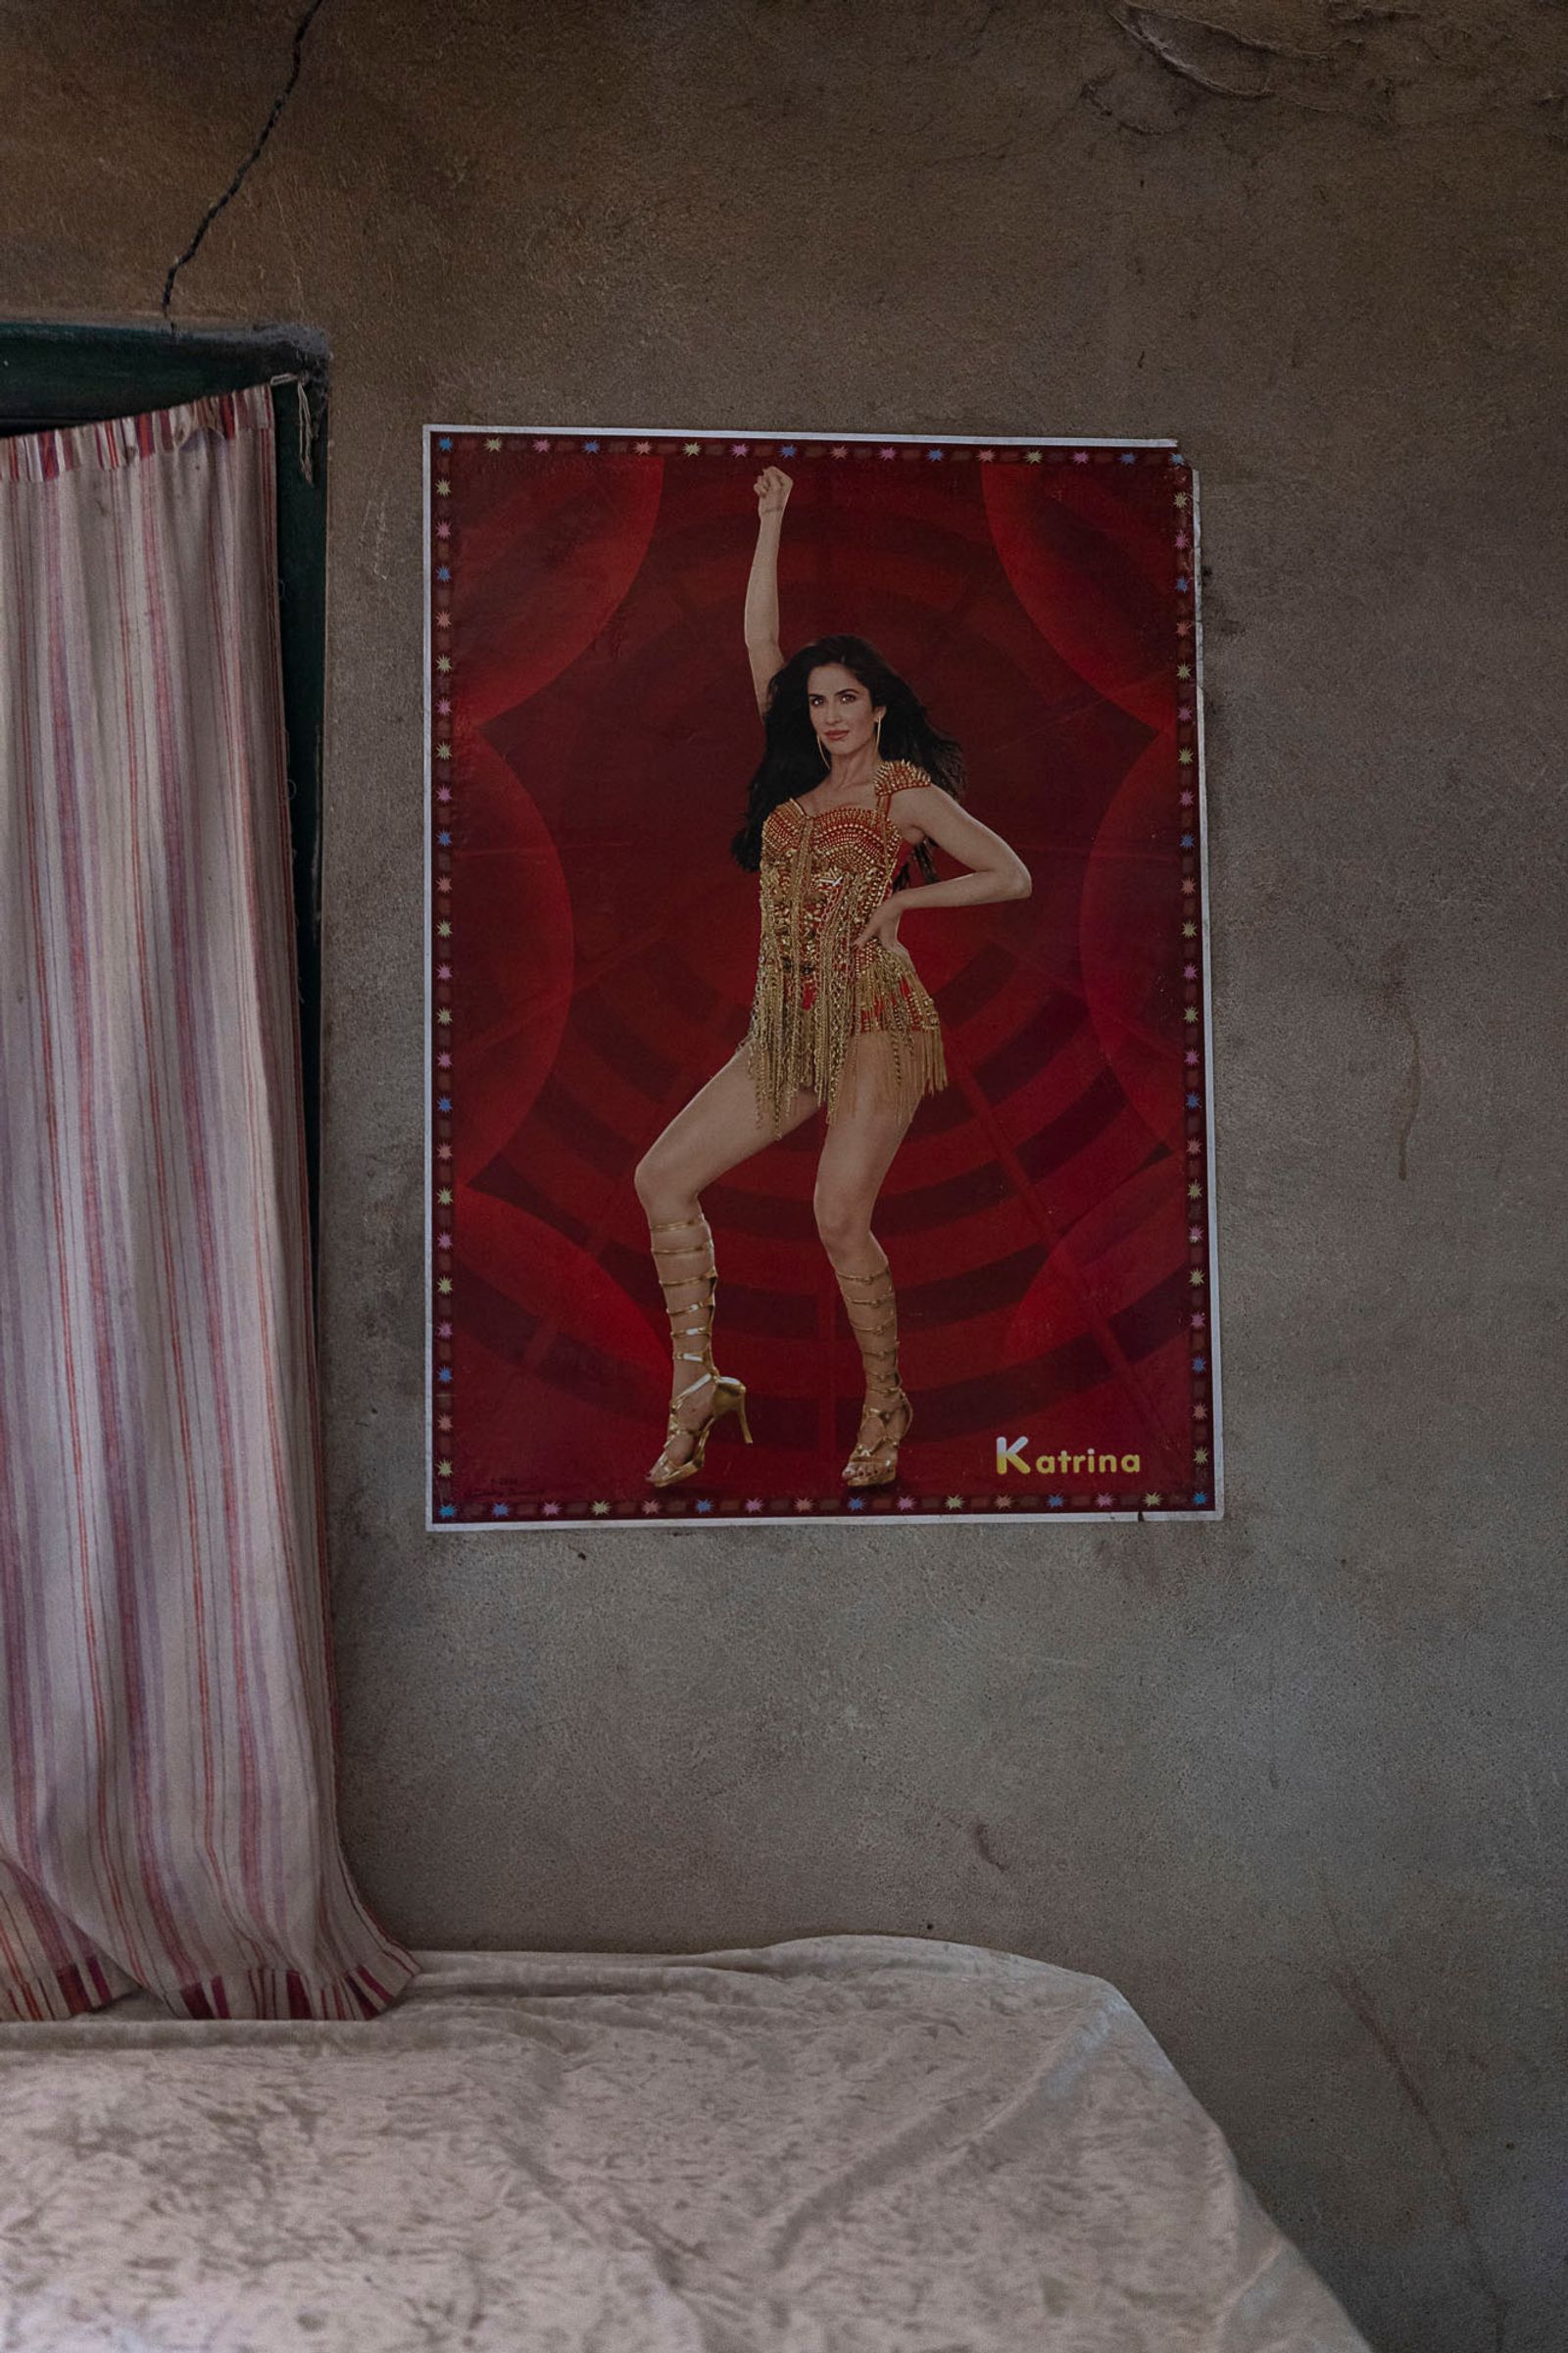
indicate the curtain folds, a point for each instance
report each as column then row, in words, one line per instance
column 167, row 1716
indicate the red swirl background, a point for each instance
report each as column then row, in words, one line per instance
column 601, row 944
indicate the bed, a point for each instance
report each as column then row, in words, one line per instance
column 837, row 2144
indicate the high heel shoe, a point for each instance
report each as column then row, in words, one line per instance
column 729, row 1396
column 866, row 1466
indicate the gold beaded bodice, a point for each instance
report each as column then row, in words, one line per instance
column 822, row 875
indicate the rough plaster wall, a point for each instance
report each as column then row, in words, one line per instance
column 1290, row 1782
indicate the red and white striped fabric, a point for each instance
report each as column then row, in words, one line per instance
column 168, row 1714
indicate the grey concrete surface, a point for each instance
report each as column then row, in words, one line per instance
column 1291, row 1781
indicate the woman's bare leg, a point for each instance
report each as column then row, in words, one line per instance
column 856, row 1156
column 715, row 1132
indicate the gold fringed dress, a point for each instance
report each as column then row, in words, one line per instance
column 822, row 877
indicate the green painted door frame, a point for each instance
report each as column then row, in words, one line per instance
column 64, row 375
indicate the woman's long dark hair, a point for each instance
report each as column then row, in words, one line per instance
column 792, row 765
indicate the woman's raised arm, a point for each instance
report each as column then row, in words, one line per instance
column 772, row 487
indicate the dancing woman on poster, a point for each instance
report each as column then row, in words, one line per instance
column 852, row 777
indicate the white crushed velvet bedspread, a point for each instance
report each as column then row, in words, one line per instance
column 840, row 2144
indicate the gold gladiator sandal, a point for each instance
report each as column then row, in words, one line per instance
column 877, row 1464
column 729, row 1396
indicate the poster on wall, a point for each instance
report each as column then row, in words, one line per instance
column 819, row 1037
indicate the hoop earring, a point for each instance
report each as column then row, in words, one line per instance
column 827, row 757
column 878, row 724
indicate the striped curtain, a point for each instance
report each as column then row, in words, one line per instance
column 167, row 1717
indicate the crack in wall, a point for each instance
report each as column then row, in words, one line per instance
column 240, row 176
column 981, row 1836
column 1400, row 63
column 1151, row 28
column 1357, row 2000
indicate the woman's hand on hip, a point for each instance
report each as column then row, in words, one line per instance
column 881, row 927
